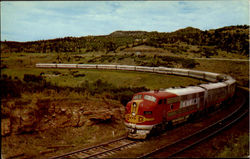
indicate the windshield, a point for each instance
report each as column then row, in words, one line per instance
column 150, row 98
column 137, row 97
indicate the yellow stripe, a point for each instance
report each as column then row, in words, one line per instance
column 137, row 118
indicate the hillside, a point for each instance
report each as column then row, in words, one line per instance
column 231, row 39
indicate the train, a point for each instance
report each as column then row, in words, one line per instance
column 157, row 109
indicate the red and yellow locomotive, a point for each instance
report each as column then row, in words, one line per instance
column 155, row 109
column 145, row 111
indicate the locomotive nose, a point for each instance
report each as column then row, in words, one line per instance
column 139, row 111
column 133, row 109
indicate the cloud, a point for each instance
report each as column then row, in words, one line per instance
column 36, row 20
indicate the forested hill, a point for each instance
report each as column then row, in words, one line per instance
column 234, row 39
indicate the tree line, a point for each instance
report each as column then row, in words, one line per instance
column 233, row 39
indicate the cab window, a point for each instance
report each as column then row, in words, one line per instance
column 171, row 106
column 160, row 102
column 137, row 97
column 165, row 101
column 150, row 98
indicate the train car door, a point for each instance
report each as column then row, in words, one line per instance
column 161, row 109
column 164, row 119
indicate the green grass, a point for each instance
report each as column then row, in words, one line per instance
column 24, row 63
column 236, row 148
column 117, row 78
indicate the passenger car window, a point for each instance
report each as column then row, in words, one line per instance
column 150, row 98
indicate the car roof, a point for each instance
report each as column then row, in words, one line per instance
column 185, row 91
column 159, row 94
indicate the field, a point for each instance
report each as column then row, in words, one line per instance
column 49, row 111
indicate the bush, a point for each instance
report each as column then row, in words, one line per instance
column 56, row 72
column 189, row 63
column 79, row 75
column 10, row 88
column 32, row 78
column 238, row 148
column 3, row 66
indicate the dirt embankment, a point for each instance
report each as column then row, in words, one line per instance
column 41, row 114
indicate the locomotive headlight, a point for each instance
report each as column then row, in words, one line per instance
column 134, row 104
column 147, row 112
column 133, row 113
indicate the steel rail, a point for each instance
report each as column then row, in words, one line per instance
column 200, row 132
column 209, row 136
column 102, row 146
column 88, row 148
column 113, row 149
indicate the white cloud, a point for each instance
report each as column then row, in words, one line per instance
column 35, row 20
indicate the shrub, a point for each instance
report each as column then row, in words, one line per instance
column 79, row 75
column 42, row 73
column 10, row 88
column 3, row 66
column 56, row 72
column 189, row 63
column 32, row 78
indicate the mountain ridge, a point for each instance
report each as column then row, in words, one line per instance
column 229, row 38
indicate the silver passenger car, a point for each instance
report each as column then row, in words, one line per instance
column 66, row 65
column 182, row 72
column 46, row 65
column 107, row 67
column 125, row 67
column 86, row 66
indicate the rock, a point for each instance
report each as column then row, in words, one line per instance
column 63, row 110
column 28, row 121
column 101, row 116
column 5, row 127
column 81, row 122
column 62, row 121
column 87, row 113
column 117, row 113
column 75, row 118
column 82, row 108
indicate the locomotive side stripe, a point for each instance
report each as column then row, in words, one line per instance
column 173, row 100
column 182, row 110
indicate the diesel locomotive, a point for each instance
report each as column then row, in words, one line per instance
column 155, row 110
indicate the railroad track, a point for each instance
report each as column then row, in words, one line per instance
column 188, row 142
column 105, row 149
column 101, row 150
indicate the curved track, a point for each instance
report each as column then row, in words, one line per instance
column 100, row 150
column 188, row 142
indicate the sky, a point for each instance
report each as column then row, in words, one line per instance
column 41, row 20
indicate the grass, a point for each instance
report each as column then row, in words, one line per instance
column 17, row 65
column 117, row 78
column 238, row 147
column 237, row 69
